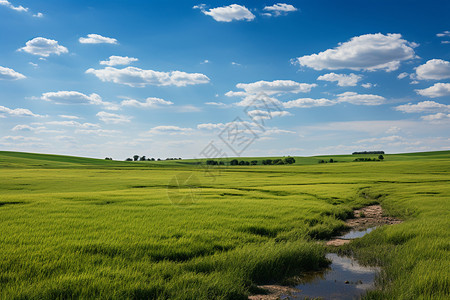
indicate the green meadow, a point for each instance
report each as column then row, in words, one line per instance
column 85, row 228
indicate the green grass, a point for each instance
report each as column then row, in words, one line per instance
column 84, row 228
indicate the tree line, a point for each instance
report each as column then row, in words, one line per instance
column 234, row 162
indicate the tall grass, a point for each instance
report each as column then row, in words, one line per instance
column 83, row 228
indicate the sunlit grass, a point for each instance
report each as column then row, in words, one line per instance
column 74, row 227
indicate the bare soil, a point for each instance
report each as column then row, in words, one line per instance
column 274, row 292
column 366, row 217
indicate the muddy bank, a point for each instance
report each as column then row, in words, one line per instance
column 334, row 282
column 366, row 219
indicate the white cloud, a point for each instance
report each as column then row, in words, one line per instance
column 73, row 97
column 233, row 12
column 38, row 15
column 279, row 9
column 258, row 114
column 273, row 87
column 235, row 94
column 308, row 102
column 445, row 42
column 118, row 60
column 69, row 117
column 23, row 128
column 368, row 52
column 8, row 4
column 434, row 69
column 136, row 77
column 43, row 47
column 17, row 112
column 385, row 139
column 444, row 34
column 402, row 75
column 436, row 90
column 361, row 99
column 260, row 100
column 96, row 39
column 73, row 124
column 171, row 130
column 342, row 79
column 10, row 74
column 424, row 106
column 368, row 85
column 220, row 104
column 113, row 118
column 99, row 132
column 437, row 118
column 149, row 102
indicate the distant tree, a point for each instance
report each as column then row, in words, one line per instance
column 152, row 159
column 108, row 158
column 380, row 157
column 221, row 163
column 331, row 160
column 159, row 159
column 254, row 162
column 211, row 162
column 136, row 157
column 321, row 161
column 289, row 160
column 143, row 158
column 267, row 162
column 129, row 159
column 234, row 162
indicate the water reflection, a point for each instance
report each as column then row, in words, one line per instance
column 344, row 279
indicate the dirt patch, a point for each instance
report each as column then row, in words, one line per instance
column 366, row 217
column 274, row 292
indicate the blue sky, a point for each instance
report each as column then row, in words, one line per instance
column 254, row 78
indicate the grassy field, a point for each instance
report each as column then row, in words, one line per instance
column 84, row 228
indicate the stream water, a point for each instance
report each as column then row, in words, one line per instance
column 343, row 279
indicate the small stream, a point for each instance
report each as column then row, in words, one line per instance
column 343, row 279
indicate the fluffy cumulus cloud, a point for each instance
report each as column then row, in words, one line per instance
column 233, row 12
column 136, row 77
column 423, row 107
column 118, row 60
column 259, row 114
column 73, row 97
column 434, row 69
column 368, row 52
column 96, row 39
column 436, row 90
column 10, row 5
column 110, row 118
column 43, row 47
column 169, row 129
column 308, row 102
column 16, row 112
column 10, row 74
column 360, row 99
column 438, row 118
column 279, row 9
column 149, row 102
column 341, row 79
column 272, row 87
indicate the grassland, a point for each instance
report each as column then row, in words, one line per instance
column 85, row 228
